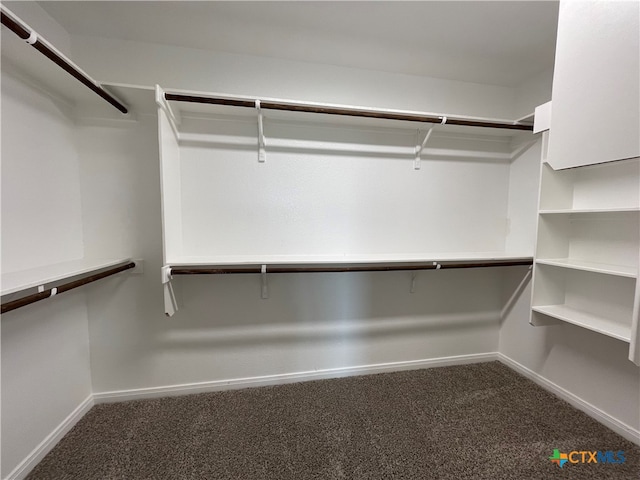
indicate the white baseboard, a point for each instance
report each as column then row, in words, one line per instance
column 38, row 453
column 203, row 387
column 594, row 412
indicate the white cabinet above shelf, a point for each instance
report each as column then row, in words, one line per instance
column 595, row 84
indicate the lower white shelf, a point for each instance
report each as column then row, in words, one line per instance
column 586, row 320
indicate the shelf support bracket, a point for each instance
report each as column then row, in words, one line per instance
column 262, row 154
column 170, row 303
column 265, row 287
column 162, row 103
column 414, row 278
column 421, row 147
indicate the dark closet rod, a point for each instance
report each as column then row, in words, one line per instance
column 360, row 268
column 36, row 297
column 22, row 31
column 346, row 111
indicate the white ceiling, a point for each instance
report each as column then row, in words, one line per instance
column 492, row 42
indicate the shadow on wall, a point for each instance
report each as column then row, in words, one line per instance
column 310, row 307
column 516, row 280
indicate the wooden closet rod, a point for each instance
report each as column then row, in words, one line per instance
column 36, row 297
column 363, row 268
column 352, row 112
column 25, row 33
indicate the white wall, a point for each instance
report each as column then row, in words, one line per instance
column 45, row 372
column 118, row 61
column 319, row 202
column 45, row 346
column 524, row 173
column 40, row 179
column 533, row 92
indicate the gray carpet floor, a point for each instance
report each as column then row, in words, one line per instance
column 480, row 421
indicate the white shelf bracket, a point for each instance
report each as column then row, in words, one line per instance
column 170, row 303
column 162, row 103
column 262, row 154
column 159, row 97
column 438, row 266
column 414, row 277
column 265, row 287
column 420, row 147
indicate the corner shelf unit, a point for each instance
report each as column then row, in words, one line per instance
column 587, row 258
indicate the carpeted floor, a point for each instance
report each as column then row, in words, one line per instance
column 478, row 421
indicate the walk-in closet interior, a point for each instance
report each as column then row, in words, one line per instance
column 209, row 196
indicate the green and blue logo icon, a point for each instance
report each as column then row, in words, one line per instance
column 559, row 458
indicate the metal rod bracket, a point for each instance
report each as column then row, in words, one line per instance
column 170, row 303
column 420, row 147
column 262, row 154
column 166, row 274
column 265, row 287
column 33, row 38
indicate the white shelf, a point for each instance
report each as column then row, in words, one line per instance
column 589, row 210
column 344, row 259
column 586, row 320
column 619, row 270
column 13, row 282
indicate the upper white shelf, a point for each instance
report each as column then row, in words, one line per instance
column 240, row 107
column 588, row 210
column 13, row 282
column 619, row 270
